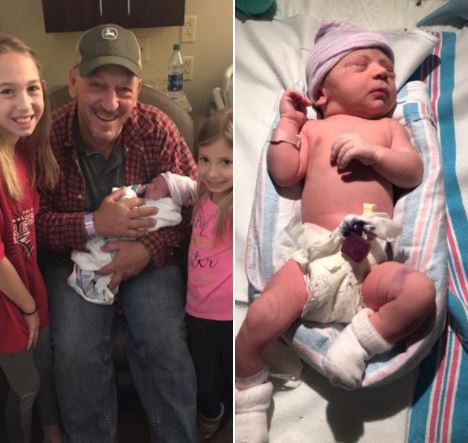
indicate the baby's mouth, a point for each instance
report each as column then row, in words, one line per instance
column 380, row 91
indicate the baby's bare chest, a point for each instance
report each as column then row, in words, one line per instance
column 323, row 134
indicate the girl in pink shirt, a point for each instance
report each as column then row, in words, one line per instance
column 209, row 286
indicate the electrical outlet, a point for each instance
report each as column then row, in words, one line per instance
column 144, row 48
column 189, row 30
column 188, row 67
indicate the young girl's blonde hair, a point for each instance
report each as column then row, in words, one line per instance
column 217, row 126
column 41, row 164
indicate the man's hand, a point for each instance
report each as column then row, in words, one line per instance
column 130, row 258
column 126, row 218
column 293, row 106
column 352, row 146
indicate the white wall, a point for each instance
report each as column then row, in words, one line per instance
column 212, row 49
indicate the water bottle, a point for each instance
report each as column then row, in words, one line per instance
column 175, row 76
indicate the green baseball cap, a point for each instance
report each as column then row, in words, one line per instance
column 108, row 44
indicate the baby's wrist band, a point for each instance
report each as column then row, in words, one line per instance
column 280, row 135
column 89, row 225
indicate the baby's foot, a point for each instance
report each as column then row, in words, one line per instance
column 251, row 413
column 345, row 361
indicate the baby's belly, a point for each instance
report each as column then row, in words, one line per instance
column 327, row 205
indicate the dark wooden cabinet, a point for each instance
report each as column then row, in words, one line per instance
column 73, row 15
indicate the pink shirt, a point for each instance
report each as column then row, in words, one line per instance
column 209, row 286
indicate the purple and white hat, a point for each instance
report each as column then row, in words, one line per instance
column 333, row 41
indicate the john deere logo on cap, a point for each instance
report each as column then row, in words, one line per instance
column 109, row 33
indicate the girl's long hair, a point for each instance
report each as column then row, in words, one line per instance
column 217, row 126
column 41, row 164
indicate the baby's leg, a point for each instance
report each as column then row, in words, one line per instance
column 402, row 298
column 399, row 300
column 268, row 317
column 279, row 305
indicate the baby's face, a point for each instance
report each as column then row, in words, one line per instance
column 361, row 84
column 157, row 189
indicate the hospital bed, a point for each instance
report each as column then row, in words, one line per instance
column 427, row 401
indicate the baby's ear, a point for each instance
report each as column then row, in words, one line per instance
column 321, row 97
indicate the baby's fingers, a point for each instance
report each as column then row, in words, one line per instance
column 344, row 158
column 300, row 98
column 335, row 150
column 343, row 154
column 293, row 100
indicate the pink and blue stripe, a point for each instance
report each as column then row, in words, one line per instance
column 440, row 405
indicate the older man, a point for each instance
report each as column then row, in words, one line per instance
column 102, row 139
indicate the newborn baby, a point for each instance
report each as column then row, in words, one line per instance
column 84, row 279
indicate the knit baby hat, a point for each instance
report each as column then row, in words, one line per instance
column 333, row 41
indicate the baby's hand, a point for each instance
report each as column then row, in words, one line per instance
column 352, row 146
column 293, row 105
column 157, row 189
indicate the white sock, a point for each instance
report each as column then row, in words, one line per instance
column 345, row 361
column 367, row 336
column 254, row 380
column 251, row 413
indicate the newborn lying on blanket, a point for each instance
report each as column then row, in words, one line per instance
column 84, row 278
column 349, row 161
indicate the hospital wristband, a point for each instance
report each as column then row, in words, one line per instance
column 89, row 225
column 280, row 135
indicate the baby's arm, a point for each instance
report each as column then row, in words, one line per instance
column 402, row 165
column 399, row 163
column 288, row 151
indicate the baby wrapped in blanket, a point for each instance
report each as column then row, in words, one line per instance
column 84, row 277
column 348, row 160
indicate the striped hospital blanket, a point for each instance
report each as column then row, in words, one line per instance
column 422, row 243
column 440, row 407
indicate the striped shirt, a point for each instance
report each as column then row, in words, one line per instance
column 152, row 145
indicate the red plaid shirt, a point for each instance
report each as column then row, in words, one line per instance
column 152, row 145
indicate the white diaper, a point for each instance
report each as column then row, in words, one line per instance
column 333, row 281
